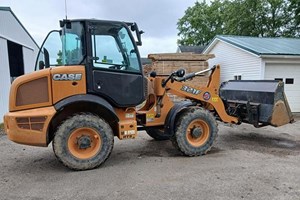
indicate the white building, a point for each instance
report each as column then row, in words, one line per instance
column 18, row 51
column 253, row 58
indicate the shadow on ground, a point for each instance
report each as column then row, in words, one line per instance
column 278, row 145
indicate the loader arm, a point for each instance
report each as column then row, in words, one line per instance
column 208, row 96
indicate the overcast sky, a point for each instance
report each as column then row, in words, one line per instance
column 157, row 18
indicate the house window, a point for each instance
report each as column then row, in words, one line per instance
column 15, row 58
column 289, row 81
column 278, row 79
column 237, row 77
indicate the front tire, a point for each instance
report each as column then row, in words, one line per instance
column 83, row 142
column 196, row 131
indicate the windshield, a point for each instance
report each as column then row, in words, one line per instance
column 65, row 47
column 113, row 48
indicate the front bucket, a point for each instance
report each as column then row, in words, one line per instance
column 260, row 102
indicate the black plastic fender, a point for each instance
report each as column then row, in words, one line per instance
column 171, row 117
column 86, row 98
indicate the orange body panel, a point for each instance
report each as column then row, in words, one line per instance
column 65, row 88
column 208, row 95
column 33, row 94
column 31, row 125
column 19, row 133
column 158, row 89
column 151, row 117
column 160, row 105
column 127, row 125
column 39, row 91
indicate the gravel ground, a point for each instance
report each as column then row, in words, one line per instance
column 245, row 163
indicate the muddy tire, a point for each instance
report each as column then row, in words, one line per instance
column 157, row 134
column 196, row 130
column 83, row 142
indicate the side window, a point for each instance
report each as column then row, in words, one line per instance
column 278, row 79
column 106, row 53
column 50, row 53
column 113, row 49
column 289, row 81
column 129, row 50
column 64, row 47
column 238, row 77
column 73, row 52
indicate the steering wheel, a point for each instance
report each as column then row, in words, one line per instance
column 119, row 67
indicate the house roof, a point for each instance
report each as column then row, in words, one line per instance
column 194, row 49
column 9, row 10
column 261, row 45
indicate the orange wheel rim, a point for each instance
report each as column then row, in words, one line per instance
column 84, row 143
column 197, row 133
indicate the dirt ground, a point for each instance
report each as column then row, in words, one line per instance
column 245, row 163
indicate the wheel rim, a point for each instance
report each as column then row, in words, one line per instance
column 197, row 133
column 84, row 143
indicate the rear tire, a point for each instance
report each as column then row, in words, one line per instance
column 196, row 130
column 83, row 142
column 157, row 134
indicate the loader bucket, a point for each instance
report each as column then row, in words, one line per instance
column 259, row 103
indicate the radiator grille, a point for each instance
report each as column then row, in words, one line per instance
column 33, row 92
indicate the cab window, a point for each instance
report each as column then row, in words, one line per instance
column 113, row 49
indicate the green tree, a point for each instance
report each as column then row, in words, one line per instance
column 208, row 17
column 244, row 17
column 261, row 18
column 294, row 24
column 277, row 17
column 59, row 58
column 71, row 57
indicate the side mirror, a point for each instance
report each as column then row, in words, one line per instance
column 41, row 65
column 134, row 27
column 180, row 72
column 66, row 22
column 47, row 59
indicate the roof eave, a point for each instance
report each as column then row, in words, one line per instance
column 220, row 38
column 13, row 14
column 5, row 8
column 288, row 56
column 209, row 47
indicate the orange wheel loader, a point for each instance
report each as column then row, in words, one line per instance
column 89, row 79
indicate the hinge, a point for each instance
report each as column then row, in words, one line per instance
column 91, row 28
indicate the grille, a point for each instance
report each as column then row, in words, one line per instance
column 31, row 123
column 33, row 92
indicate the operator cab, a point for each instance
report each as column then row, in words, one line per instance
column 107, row 50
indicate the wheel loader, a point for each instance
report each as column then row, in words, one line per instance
column 88, row 82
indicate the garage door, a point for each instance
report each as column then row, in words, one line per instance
column 290, row 75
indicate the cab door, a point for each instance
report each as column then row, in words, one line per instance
column 116, row 69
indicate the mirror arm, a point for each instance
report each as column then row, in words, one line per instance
column 47, row 60
column 134, row 27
